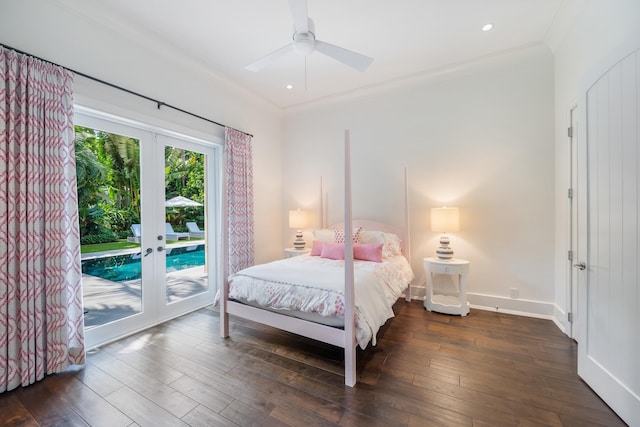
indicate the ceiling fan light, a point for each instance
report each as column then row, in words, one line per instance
column 304, row 44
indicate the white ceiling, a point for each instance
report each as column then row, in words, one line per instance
column 406, row 37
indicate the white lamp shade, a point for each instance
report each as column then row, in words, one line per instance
column 445, row 220
column 297, row 219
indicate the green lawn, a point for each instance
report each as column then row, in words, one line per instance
column 99, row 247
column 120, row 244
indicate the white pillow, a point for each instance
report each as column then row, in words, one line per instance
column 324, row 235
column 391, row 242
column 371, row 237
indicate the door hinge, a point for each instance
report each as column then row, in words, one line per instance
column 570, row 193
column 570, row 317
column 570, row 255
column 570, row 132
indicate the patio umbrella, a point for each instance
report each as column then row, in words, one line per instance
column 181, row 202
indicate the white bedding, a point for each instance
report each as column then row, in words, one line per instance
column 315, row 285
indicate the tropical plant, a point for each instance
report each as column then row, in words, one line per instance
column 124, row 156
column 91, row 173
column 108, row 176
column 184, row 176
column 107, row 172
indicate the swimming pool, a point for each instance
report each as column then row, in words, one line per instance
column 120, row 268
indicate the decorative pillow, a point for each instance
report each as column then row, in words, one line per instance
column 316, row 248
column 368, row 252
column 332, row 250
column 324, row 235
column 392, row 244
column 339, row 235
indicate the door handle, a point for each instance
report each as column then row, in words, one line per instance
column 148, row 251
column 580, row 266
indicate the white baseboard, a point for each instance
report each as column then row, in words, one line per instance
column 519, row 307
column 561, row 320
column 418, row 292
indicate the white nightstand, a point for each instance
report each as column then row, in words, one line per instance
column 291, row 252
column 446, row 286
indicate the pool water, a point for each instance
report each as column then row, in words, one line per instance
column 120, row 268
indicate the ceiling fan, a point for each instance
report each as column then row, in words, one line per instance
column 305, row 43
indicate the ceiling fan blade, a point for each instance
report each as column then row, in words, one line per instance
column 300, row 15
column 348, row 57
column 265, row 60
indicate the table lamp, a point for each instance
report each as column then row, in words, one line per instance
column 298, row 220
column 445, row 220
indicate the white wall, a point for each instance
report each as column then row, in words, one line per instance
column 54, row 33
column 585, row 34
column 479, row 137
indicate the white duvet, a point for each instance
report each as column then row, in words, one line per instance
column 315, row 285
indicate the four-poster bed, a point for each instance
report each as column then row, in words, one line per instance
column 315, row 296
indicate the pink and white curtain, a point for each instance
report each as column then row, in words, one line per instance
column 239, row 199
column 41, row 320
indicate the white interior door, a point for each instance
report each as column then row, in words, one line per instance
column 609, row 239
column 573, row 233
column 159, row 273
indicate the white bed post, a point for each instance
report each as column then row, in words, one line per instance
column 224, row 315
column 224, row 291
column 407, row 237
column 321, row 205
column 349, row 294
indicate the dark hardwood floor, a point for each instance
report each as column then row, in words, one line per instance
column 487, row 369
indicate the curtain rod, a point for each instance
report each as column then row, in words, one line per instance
column 148, row 98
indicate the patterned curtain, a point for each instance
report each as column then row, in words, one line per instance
column 239, row 199
column 41, row 321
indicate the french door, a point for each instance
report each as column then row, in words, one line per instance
column 161, row 195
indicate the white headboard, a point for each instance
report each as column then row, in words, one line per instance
column 402, row 232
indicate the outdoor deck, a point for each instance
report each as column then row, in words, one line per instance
column 106, row 301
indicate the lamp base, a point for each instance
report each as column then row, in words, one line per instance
column 299, row 242
column 444, row 251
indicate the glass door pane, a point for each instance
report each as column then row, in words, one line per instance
column 185, row 201
column 108, row 172
column 188, row 201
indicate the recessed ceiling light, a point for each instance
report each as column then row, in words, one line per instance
column 289, row 87
column 487, row 27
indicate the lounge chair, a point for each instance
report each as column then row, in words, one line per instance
column 194, row 230
column 172, row 235
column 135, row 229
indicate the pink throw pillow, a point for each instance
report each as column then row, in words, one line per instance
column 332, row 250
column 316, row 248
column 368, row 251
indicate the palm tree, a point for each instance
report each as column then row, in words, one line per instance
column 124, row 153
column 91, row 176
